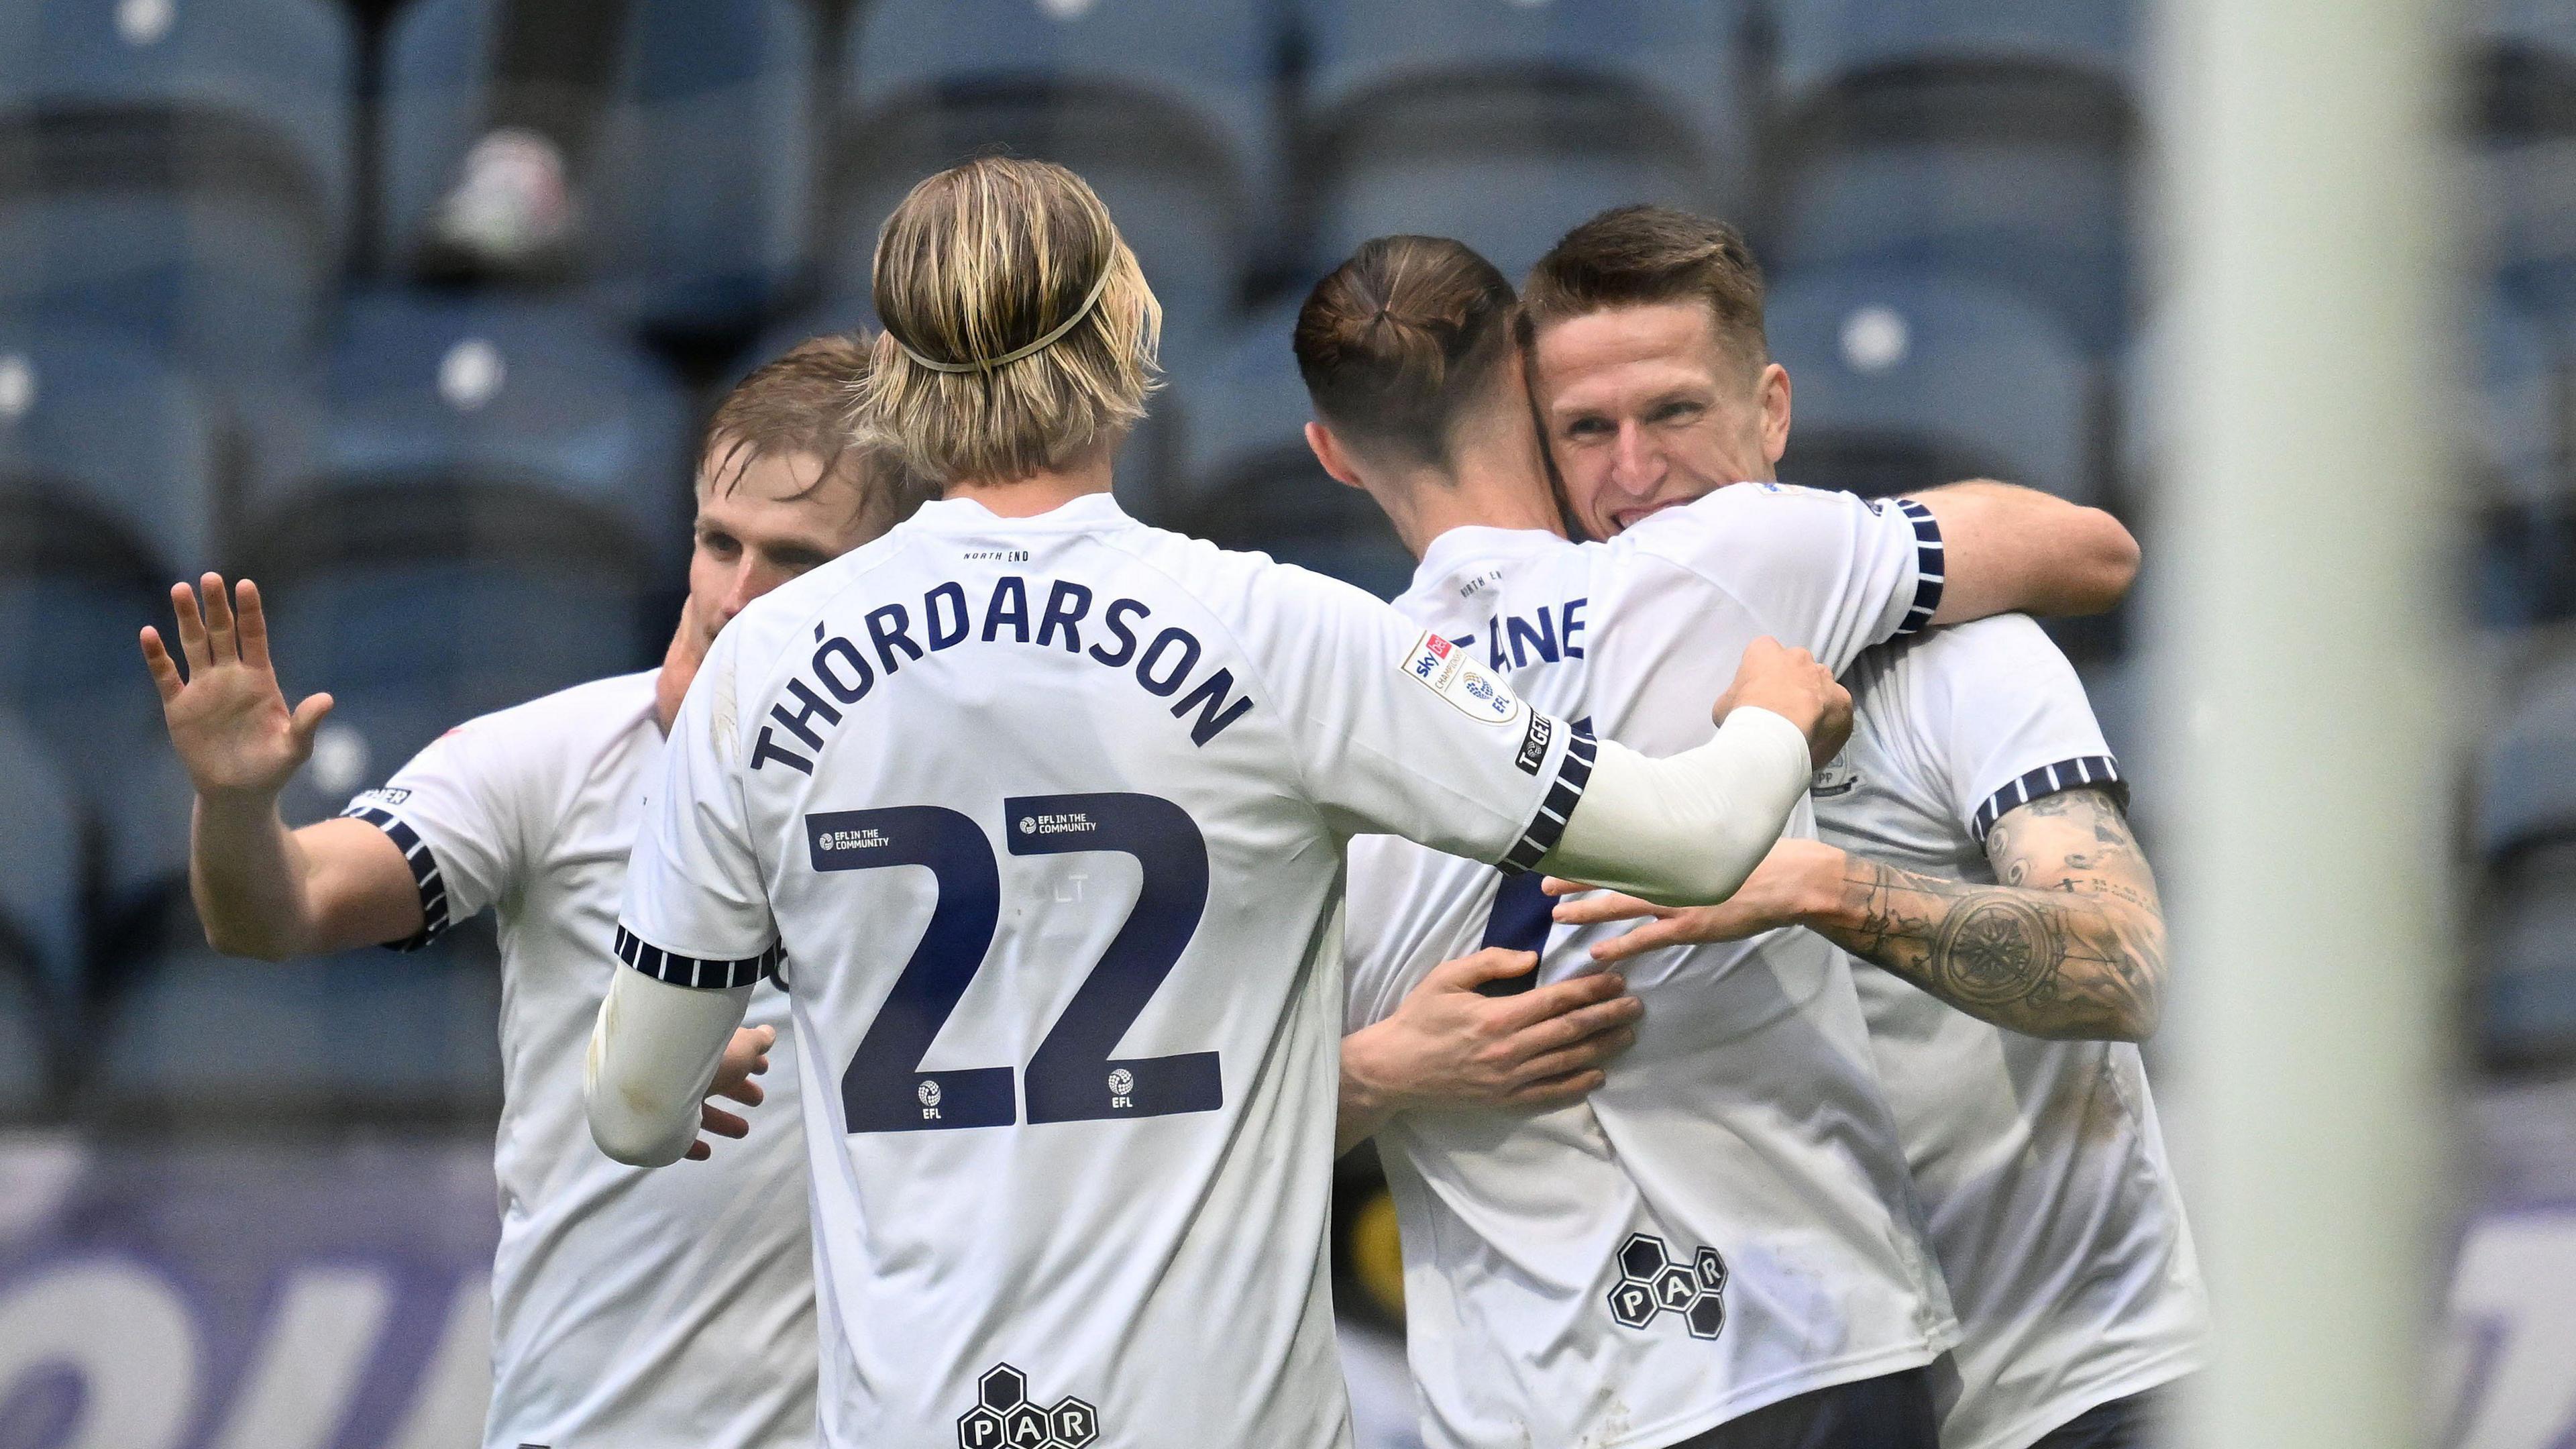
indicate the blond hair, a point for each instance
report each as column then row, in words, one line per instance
column 798, row 402
column 974, row 272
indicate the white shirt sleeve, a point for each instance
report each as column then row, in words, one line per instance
column 1826, row 572
column 463, row 812
column 2006, row 717
column 1399, row 732
column 697, row 910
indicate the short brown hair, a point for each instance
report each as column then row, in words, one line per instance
column 983, row 261
column 1640, row 256
column 799, row 402
column 1400, row 338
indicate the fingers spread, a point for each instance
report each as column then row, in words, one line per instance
column 192, row 626
column 1478, row 967
column 253, row 625
column 308, row 717
column 722, row 1123
column 746, row 1091
column 1557, row 885
column 219, row 619
column 1608, row 906
column 165, row 670
column 698, row 1151
column 1652, row 936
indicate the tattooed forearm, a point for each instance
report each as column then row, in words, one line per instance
column 2071, row 944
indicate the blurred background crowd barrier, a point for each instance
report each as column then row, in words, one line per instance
column 283, row 292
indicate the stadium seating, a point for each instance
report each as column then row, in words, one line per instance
column 458, row 424
column 700, row 190
column 1823, row 43
column 1251, row 481
column 1166, row 109
column 1976, row 137
column 41, row 850
column 1505, row 125
column 2527, row 782
column 495, row 508
column 108, row 487
column 363, row 1030
column 2527, row 992
column 1901, row 381
column 181, row 170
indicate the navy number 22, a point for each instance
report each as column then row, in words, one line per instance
column 1072, row 1076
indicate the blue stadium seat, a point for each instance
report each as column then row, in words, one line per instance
column 1253, row 484
column 41, row 851
column 2527, row 782
column 1506, row 125
column 699, row 195
column 483, row 427
column 181, row 170
column 1980, row 137
column 108, row 476
column 1900, row 381
column 2527, row 991
column 362, row 1030
column 1167, row 110
column 2044, row 213
column 1821, row 43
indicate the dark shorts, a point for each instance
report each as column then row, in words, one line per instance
column 2128, row 1423
column 1893, row 1411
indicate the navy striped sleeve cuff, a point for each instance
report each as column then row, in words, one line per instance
column 679, row 970
column 424, row 873
column 1573, row 772
column 1929, row 567
column 2082, row 772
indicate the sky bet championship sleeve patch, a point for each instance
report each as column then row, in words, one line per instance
column 1444, row 669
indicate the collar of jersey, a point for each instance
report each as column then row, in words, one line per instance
column 965, row 515
column 1460, row 547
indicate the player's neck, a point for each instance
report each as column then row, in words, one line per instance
column 1496, row 481
column 1043, row 491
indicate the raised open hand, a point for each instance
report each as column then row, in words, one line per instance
column 228, row 719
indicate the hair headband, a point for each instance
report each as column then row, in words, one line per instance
column 1089, row 301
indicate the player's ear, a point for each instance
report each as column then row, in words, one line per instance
column 1773, row 395
column 1328, row 452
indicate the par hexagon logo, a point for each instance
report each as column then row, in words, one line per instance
column 1005, row 1417
column 1651, row 1283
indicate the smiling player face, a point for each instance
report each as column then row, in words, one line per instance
column 1644, row 408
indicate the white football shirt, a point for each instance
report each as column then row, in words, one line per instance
column 1727, row 1222
column 670, row 1308
column 1047, row 816
column 2040, row 1165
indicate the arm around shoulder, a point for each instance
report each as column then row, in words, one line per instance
column 2006, row 548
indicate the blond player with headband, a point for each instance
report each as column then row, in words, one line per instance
column 1040, row 815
